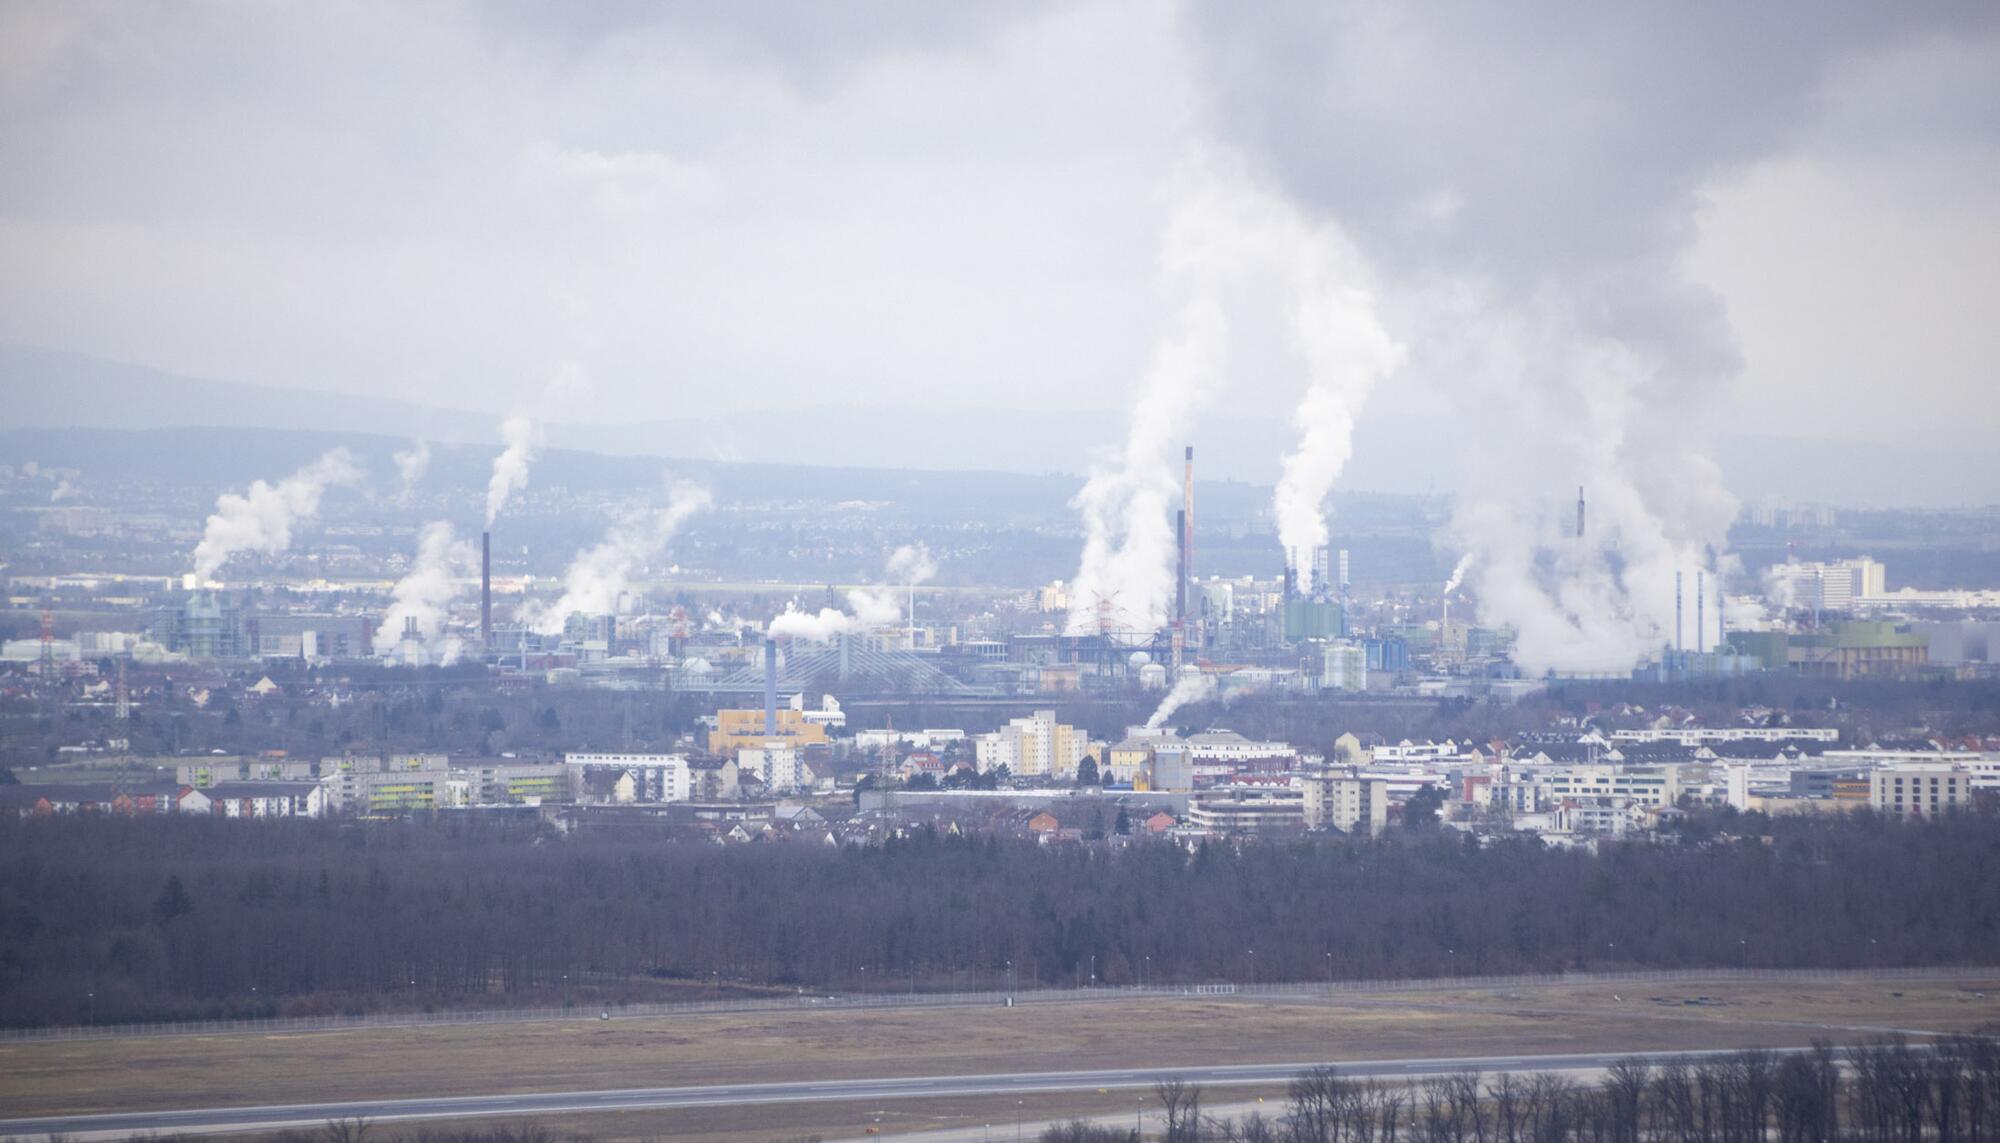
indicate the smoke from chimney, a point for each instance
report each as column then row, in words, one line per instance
column 261, row 519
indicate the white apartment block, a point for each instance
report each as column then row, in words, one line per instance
column 781, row 767
column 1919, row 791
column 1646, row 785
column 1834, row 586
column 1035, row 746
column 1213, row 747
column 1697, row 735
column 660, row 777
column 1345, row 801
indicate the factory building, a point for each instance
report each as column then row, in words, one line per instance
column 309, row 636
column 207, row 626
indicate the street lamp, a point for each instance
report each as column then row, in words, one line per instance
column 1329, row 972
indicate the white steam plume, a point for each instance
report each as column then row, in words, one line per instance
column 1346, row 351
column 1457, row 574
column 1598, row 603
column 820, row 627
column 867, row 607
column 510, row 469
column 261, row 519
column 594, row 580
column 1192, row 686
column 443, row 564
column 411, row 464
column 912, row 564
column 1544, row 287
column 1222, row 230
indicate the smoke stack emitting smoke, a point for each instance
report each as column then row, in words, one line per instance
column 599, row 575
column 1192, row 686
column 1346, row 351
column 510, row 469
column 1224, row 233
column 261, row 519
column 1583, row 345
column 868, row 607
column 422, row 599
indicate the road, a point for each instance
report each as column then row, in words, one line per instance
column 312, row 1115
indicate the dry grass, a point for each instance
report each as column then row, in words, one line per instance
column 212, row 1071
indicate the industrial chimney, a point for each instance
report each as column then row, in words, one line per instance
column 770, row 688
column 486, row 589
column 1579, row 511
column 1700, row 620
column 1181, row 575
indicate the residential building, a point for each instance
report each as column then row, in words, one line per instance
column 1919, row 790
column 1248, row 810
column 779, row 765
column 1344, row 801
column 1035, row 746
column 1645, row 785
column 658, row 777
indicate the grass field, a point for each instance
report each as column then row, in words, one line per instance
column 587, row 1054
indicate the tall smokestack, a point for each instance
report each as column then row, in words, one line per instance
column 486, row 588
column 1187, row 528
column 1579, row 511
column 1721, row 622
column 771, row 688
column 1181, row 578
column 1677, row 610
column 1700, row 621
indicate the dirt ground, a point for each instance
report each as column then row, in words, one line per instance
column 587, row 1054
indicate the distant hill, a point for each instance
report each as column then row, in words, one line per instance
column 54, row 389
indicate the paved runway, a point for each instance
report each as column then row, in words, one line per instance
column 313, row 1115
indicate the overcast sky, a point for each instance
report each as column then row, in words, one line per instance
column 666, row 210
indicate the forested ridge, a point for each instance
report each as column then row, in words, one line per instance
column 117, row 919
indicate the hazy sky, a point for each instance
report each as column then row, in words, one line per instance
column 690, row 208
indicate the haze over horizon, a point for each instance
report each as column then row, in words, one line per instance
column 691, row 213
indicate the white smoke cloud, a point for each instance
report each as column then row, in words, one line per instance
column 599, row 575
column 411, row 464
column 1542, row 285
column 261, row 519
column 522, row 437
column 1192, row 686
column 820, row 627
column 912, row 564
column 874, row 607
column 1346, row 351
column 1457, row 574
column 1579, row 409
column 1781, row 588
column 1223, row 232
column 867, row 607
column 425, row 593
column 64, row 491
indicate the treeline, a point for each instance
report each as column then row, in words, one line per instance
column 112, row 919
column 1884, row 1092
